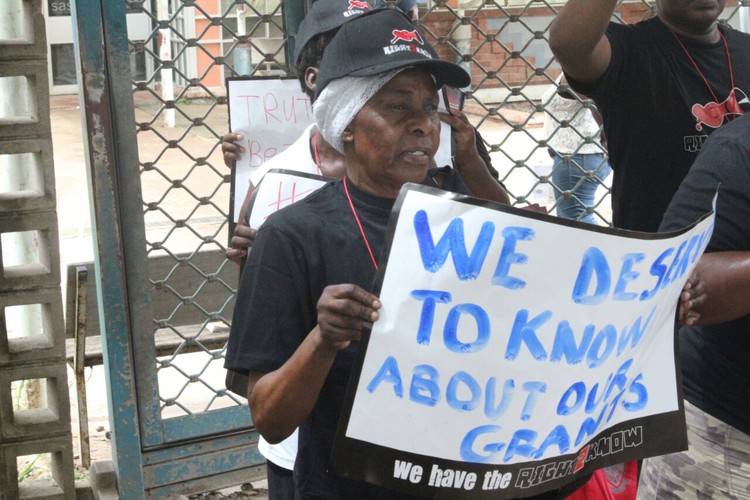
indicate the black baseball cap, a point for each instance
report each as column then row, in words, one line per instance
column 383, row 40
column 326, row 15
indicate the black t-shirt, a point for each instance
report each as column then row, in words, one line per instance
column 715, row 367
column 646, row 98
column 297, row 253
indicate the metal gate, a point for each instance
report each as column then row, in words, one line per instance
column 161, row 194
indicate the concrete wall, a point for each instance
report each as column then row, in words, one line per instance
column 34, row 420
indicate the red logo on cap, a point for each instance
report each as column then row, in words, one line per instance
column 356, row 4
column 406, row 36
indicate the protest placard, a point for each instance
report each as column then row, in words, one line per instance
column 514, row 352
column 271, row 113
column 278, row 189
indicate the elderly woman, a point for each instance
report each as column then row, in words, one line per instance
column 303, row 299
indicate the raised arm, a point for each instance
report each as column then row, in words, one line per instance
column 281, row 400
column 577, row 38
column 727, row 282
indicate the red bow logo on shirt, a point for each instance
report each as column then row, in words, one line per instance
column 713, row 114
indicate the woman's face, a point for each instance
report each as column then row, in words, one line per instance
column 393, row 139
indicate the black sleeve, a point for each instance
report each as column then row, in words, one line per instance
column 270, row 314
column 723, row 164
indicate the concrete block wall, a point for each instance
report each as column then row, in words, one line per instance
column 32, row 337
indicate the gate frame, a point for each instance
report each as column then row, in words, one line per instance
column 153, row 458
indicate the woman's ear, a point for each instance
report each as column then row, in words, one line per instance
column 348, row 134
column 311, row 79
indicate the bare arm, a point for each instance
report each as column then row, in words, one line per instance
column 281, row 400
column 578, row 40
column 727, row 282
column 470, row 165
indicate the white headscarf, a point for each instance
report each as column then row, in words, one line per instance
column 341, row 100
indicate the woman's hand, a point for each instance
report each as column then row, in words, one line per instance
column 463, row 137
column 343, row 311
column 230, row 148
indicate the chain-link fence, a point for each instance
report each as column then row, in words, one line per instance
column 181, row 113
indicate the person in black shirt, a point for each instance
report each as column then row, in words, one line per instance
column 714, row 353
column 661, row 85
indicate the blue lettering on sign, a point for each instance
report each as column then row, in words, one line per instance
column 592, row 402
column 627, row 275
column 595, row 348
column 426, row 320
column 451, row 393
column 522, row 444
column 491, row 410
column 490, row 450
column 565, row 343
column 434, row 256
column 534, row 389
column 450, row 332
column 589, row 427
column 577, row 390
column 616, row 387
column 424, row 385
column 594, row 263
column 388, row 373
column 635, row 333
column 670, row 277
column 641, row 395
column 557, row 437
column 524, row 332
column 608, row 338
column 508, row 256
column 659, row 270
column 429, row 300
column 594, row 281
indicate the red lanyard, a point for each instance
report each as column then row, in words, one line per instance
column 361, row 229
column 698, row 70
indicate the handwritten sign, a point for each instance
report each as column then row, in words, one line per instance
column 515, row 352
column 280, row 188
column 271, row 113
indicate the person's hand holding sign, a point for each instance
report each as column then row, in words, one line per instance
column 692, row 297
column 343, row 311
column 230, row 147
column 244, row 235
column 241, row 241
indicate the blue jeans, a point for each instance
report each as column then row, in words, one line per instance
column 574, row 181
